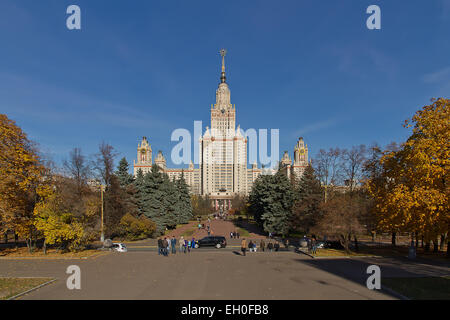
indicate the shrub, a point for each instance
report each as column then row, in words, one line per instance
column 133, row 228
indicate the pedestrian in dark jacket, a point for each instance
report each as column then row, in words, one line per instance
column 250, row 246
column 262, row 245
column 270, row 246
column 276, row 246
column 173, row 244
column 160, row 246
column 165, row 247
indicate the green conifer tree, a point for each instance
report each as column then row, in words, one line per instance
column 271, row 201
column 185, row 205
column 125, row 178
column 309, row 196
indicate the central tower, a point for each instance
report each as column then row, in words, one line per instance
column 223, row 149
column 223, row 113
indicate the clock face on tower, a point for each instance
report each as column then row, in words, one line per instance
column 223, row 110
column 302, row 151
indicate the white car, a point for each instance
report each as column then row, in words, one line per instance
column 119, row 247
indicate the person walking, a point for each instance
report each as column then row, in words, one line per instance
column 188, row 245
column 243, row 246
column 231, row 234
column 250, row 246
column 237, row 235
column 173, row 244
column 165, row 253
column 168, row 245
column 262, row 245
column 160, row 246
column 270, row 246
column 181, row 243
column 255, row 247
column 193, row 243
column 313, row 245
column 287, row 244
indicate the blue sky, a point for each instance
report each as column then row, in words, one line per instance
column 144, row 68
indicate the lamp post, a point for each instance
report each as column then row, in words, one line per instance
column 102, row 236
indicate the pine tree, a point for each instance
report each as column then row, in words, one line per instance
column 125, row 178
column 185, row 205
column 152, row 198
column 139, row 191
column 271, row 201
column 309, row 195
column 170, row 201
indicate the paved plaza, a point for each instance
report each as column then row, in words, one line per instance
column 212, row 274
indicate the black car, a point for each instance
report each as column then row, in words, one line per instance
column 212, row 241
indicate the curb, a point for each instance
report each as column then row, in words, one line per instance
column 30, row 290
column 394, row 293
column 54, row 258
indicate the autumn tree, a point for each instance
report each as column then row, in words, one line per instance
column 57, row 226
column 412, row 192
column 78, row 168
column 341, row 218
column 352, row 165
column 21, row 171
column 327, row 167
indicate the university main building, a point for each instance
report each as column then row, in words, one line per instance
column 222, row 171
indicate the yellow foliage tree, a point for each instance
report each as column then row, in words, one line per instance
column 412, row 190
column 57, row 226
column 20, row 172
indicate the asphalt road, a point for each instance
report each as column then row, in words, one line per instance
column 201, row 274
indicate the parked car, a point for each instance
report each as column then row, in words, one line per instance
column 212, row 241
column 321, row 245
column 119, row 247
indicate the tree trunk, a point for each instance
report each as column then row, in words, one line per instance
column 28, row 241
column 441, row 245
column 344, row 242
column 427, row 246
column 436, row 245
column 373, row 236
column 16, row 239
column 422, row 242
column 45, row 247
column 417, row 241
column 6, row 237
column 356, row 243
column 448, row 248
column 394, row 238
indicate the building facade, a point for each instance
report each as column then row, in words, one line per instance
column 222, row 172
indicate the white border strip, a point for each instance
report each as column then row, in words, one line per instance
column 32, row 289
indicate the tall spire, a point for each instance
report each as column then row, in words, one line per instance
column 223, row 53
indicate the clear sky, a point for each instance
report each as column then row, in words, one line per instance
column 144, row 68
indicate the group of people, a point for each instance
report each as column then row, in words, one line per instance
column 234, row 235
column 253, row 247
column 168, row 245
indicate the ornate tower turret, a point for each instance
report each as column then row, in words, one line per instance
column 300, row 158
column 144, row 152
column 160, row 161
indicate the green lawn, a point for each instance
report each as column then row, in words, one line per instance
column 434, row 288
column 10, row 287
column 243, row 232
